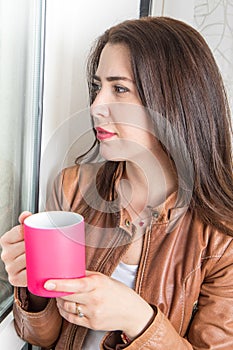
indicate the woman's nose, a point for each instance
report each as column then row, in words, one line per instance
column 100, row 110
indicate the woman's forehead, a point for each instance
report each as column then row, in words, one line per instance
column 115, row 62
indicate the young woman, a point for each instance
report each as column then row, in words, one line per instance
column 158, row 208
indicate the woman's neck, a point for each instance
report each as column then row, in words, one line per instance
column 147, row 182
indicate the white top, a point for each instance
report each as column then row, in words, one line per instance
column 126, row 274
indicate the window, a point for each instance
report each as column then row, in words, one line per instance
column 21, row 44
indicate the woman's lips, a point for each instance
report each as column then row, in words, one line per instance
column 103, row 134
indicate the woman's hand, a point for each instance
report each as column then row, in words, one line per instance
column 13, row 253
column 106, row 304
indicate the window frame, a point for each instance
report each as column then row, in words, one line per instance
column 31, row 141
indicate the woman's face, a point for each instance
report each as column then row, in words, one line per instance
column 121, row 122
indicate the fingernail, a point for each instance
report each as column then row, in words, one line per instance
column 49, row 285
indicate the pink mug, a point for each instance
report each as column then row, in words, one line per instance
column 55, row 249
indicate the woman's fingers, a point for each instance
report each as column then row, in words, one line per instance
column 102, row 303
column 75, row 313
column 18, row 279
column 78, row 285
column 23, row 216
column 65, row 305
column 13, row 253
column 13, row 236
column 17, row 266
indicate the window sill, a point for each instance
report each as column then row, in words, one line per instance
column 9, row 339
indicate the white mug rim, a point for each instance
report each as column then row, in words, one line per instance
column 55, row 220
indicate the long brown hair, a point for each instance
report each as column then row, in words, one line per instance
column 176, row 75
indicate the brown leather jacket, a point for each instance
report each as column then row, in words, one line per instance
column 185, row 273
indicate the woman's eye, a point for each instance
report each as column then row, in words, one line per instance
column 95, row 87
column 120, row 89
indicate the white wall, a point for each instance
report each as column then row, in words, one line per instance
column 71, row 28
column 182, row 9
column 214, row 20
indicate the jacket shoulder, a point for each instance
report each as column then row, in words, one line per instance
column 79, row 173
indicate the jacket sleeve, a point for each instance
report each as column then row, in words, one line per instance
column 64, row 189
column 37, row 328
column 212, row 325
column 55, row 197
column 160, row 335
column 210, row 328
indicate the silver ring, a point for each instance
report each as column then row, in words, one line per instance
column 79, row 310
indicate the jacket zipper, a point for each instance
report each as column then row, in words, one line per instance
column 143, row 259
column 144, row 254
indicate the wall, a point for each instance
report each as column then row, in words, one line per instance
column 214, row 20
column 71, row 28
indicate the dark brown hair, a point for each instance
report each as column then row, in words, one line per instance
column 176, row 76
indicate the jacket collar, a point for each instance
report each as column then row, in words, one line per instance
column 167, row 213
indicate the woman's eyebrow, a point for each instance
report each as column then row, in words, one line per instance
column 113, row 78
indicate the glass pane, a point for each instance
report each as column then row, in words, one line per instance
column 20, row 66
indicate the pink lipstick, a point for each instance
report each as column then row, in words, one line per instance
column 103, row 134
